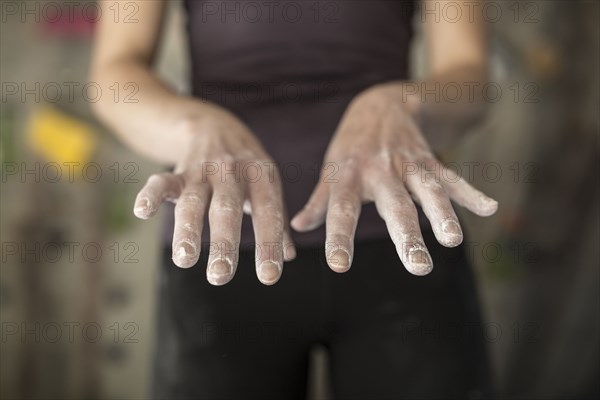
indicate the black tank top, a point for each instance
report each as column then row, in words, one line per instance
column 288, row 69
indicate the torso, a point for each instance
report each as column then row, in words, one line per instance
column 288, row 69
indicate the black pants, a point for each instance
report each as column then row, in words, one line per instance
column 389, row 334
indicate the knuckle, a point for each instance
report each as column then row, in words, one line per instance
column 402, row 210
column 225, row 160
column 226, row 205
column 191, row 198
column 271, row 206
column 384, row 162
column 269, row 225
column 349, row 169
column 350, row 163
column 265, row 189
column 432, row 183
column 400, row 198
column 270, row 211
column 344, row 207
column 189, row 228
column 159, row 179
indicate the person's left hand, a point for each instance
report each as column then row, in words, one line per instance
column 380, row 155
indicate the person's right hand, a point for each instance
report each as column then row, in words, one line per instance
column 225, row 171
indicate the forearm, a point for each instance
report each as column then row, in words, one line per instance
column 448, row 105
column 155, row 121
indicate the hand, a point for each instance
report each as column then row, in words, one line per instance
column 382, row 156
column 224, row 170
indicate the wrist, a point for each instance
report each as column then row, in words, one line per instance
column 400, row 93
column 201, row 117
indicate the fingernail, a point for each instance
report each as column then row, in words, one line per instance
column 219, row 272
column 453, row 233
column 269, row 272
column 420, row 262
column 143, row 209
column 489, row 206
column 451, row 227
column 339, row 260
column 185, row 255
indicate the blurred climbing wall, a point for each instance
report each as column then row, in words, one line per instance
column 542, row 287
column 78, row 271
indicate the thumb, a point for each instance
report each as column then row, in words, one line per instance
column 313, row 214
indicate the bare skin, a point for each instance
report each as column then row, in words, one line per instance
column 190, row 134
column 208, row 179
column 383, row 158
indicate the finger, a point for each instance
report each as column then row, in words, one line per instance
column 436, row 205
column 225, row 219
column 268, row 222
column 313, row 213
column 189, row 219
column 466, row 195
column 343, row 212
column 397, row 209
column 289, row 247
column 247, row 208
column 157, row 189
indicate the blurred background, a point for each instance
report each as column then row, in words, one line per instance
column 77, row 289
